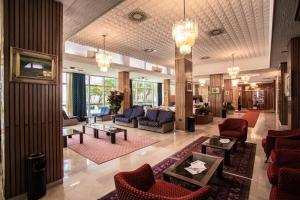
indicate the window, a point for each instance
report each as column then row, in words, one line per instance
column 64, row 91
column 144, row 93
column 97, row 91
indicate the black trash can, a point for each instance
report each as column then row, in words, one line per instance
column 191, row 124
column 36, row 176
column 224, row 113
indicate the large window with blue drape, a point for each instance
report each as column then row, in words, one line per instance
column 79, row 95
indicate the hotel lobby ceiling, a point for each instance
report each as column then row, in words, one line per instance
column 246, row 25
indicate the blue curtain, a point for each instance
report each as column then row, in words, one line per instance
column 79, row 95
column 131, row 100
column 159, row 94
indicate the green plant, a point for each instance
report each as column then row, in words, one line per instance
column 114, row 100
column 228, row 106
column 204, row 109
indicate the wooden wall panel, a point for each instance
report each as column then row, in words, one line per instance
column 216, row 100
column 32, row 112
column 294, row 70
column 125, row 88
column 227, row 90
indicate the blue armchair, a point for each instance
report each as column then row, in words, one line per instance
column 104, row 114
column 129, row 118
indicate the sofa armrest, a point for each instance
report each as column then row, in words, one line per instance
column 282, row 143
column 222, row 127
column 282, row 157
column 70, row 122
column 284, row 133
column 289, row 180
column 202, row 193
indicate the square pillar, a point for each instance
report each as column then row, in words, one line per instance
column 184, row 89
column 216, row 94
column 167, row 92
column 227, row 90
column 125, row 88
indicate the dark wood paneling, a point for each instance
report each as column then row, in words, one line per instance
column 294, row 65
column 228, row 88
column 32, row 111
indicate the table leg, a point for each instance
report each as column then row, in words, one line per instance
column 166, row 177
column 87, row 120
column 220, row 170
column 227, row 157
column 69, row 136
column 113, row 138
column 65, row 141
column 235, row 146
column 81, row 138
column 95, row 119
column 83, row 129
column 203, row 149
column 125, row 134
column 96, row 134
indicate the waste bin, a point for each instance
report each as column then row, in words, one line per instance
column 191, row 123
column 224, row 113
column 36, row 176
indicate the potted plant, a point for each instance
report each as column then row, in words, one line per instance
column 203, row 115
column 114, row 100
column 230, row 107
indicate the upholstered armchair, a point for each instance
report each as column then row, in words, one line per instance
column 268, row 143
column 288, row 187
column 69, row 120
column 234, row 127
column 282, row 158
column 141, row 185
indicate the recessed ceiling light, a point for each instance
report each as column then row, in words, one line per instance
column 216, row 32
column 284, row 51
column 72, row 67
column 137, row 15
column 205, row 57
column 149, row 50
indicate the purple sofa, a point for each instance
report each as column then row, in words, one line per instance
column 157, row 120
column 129, row 118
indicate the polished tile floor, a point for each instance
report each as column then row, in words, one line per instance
column 87, row 180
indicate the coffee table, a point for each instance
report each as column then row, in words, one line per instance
column 110, row 130
column 213, row 164
column 69, row 132
column 214, row 142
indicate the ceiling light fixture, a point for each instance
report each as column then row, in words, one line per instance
column 185, row 33
column 253, row 85
column 234, row 70
column 235, row 82
column 149, row 50
column 202, row 82
column 103, row 58
column 245, row 79
column 205, row 57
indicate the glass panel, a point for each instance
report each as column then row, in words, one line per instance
column 140, row 84
column 107, row 93
column 64, row 77
column 94, row 109
column 96, row 80
column 140, row 94
column 64, row 94
column 110, row 82
column 155, row 95
column 96, row 95
column 87, row 78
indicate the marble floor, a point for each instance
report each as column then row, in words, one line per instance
column 87, row 180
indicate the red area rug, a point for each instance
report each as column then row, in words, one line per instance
column 101, row 150
column 228, row 188
column 251, row 116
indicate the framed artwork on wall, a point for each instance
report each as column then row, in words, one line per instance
column 215, row 90
column 33, row 67
column 287, row 84
column 189, row 86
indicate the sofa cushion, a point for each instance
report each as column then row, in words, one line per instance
column 143, row 122
column 167, row 189
column 152, row 114
column 104, row 111
column 127, row 112
column 165, row 116
column 123, row 119
column 154, row 123
column 137, row 112
column 277, row 194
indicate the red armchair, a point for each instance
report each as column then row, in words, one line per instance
column 268, row 143
column 234, row 127
column 282, row 158
column 141, row 185
column 288, row 187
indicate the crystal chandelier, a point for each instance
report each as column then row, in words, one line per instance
column 103, row 58
column 233, row 71
column 202, row 82
column 245, row 79
column 185, row 33
column 253, row 85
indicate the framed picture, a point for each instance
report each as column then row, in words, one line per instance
column 34, row 67
column 215, row 90
column 227, row 92
column 287, row 84
column 189, row 86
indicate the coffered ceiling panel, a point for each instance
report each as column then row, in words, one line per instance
column 245, row 24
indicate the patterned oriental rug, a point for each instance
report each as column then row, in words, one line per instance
column 101, row 150
column 230, row 186
column 251, row 116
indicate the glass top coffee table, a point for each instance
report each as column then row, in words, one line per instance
column 213, row 165
column 214, row 142
column 69, row 132
column 110, row 130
